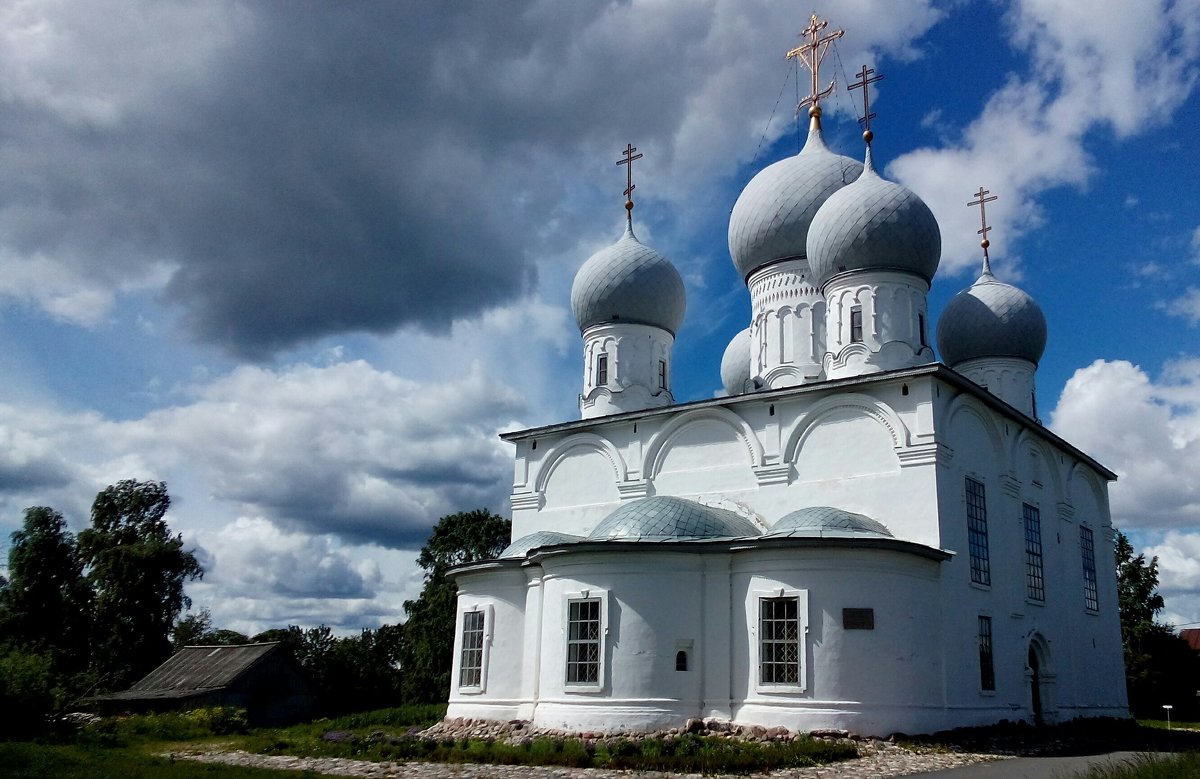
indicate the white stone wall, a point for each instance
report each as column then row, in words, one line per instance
column 897, row 449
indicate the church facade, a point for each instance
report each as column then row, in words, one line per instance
column 856, row 536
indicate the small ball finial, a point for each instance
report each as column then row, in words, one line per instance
column 628, row 205
column 985, row 243
column 868, row 136
column 815, row 112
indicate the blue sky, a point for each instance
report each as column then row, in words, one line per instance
column 304, row 263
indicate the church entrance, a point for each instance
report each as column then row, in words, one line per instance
column 1036, row 685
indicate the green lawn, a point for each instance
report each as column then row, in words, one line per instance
column 27, row 760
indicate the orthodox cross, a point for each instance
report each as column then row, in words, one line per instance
column 863, row 83
column 811, row 55
column 985, row 243
column 629, row 187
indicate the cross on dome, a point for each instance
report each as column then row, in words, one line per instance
column 629, row 186
column 985, row 243
column 863, row 83
column 811, row 54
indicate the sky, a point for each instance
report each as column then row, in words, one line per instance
column 304, row 261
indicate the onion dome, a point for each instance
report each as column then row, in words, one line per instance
column 991, row 319
column 666, row 518
column 628, row 282
column 873, row 224
column 526, row 544
column 826, row 521
column 771, row 217
column 735, row 364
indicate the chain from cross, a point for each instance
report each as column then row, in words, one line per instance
column 628, row 161
column 811, row 54
column 863, row 83
column 984, row 229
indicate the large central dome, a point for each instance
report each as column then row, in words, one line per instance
column 770, row 220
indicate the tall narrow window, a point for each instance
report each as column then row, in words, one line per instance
column 987, row 671
column 470, row 672
column 583, row 641
column 1087, row 547
column 856, row 325
column 921, row 329
column 662, row 374
column 977, row 533
column 779, row 641
column 1035, row 583
column 601, row 370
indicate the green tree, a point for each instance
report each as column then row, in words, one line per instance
column 29, row 691
column 1159, row 666
column 46, row 607
column 137, row 570
column 428, row 641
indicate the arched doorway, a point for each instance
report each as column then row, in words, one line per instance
column 1040, row 675
column 1036, row 686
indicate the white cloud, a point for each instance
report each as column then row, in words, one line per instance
column 1093, row 66
column 1178, row 555
column 1195, row 246
column 1186, row 305
column 1147, row 431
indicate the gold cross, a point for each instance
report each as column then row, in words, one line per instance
column 811, row 54
column 985, row 243
column 629, row 186
column 863, row 83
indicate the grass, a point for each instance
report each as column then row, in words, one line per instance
column 1182, row 766
column 133, row 748
column 1175, row 724
column 29, row 760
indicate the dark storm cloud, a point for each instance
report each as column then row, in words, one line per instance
column 323, row 168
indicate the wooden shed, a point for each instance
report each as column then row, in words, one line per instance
column 264, row 679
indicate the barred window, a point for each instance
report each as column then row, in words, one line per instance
column 1035, row 583
column 987, row 672
column 779, row 641
column 470, row 672
column 583, row 641
column 601, row 370
column 1087, row 547
column 977, row 533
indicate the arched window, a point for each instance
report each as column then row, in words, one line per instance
column 681, row 660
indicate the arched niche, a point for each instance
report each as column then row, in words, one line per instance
column 581, row 470
column 707, row 450
column 843, row 438
column 973, row 435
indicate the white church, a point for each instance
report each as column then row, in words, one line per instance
column 858, row 536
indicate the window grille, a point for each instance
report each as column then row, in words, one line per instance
column 779, row 641
column 471, row 664
column 1087, row 547
column 1035, row 583
column 987, row 671
column 583, row 641
column 977, row 533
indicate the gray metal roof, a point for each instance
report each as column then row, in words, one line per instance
column 874, row 224
column 991, row 319
column 525, row 544
column 663, row 517
column 735, row 364
column 199, row 668
column 771, row 217
column 628, row 282
column 825, row 521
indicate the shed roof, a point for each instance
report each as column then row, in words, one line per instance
column 196, row 669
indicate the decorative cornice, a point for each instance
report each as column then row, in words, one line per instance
column 1066, row 512
column 638, row 488
column 522, row 501
column 929, row 453
column 1010, row 485
column 775, row 473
